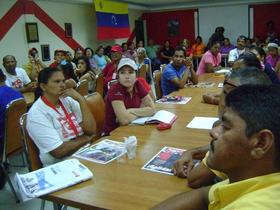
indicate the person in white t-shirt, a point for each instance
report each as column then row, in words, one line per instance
column 16, row 77
column 240, row 48
column 59, row 122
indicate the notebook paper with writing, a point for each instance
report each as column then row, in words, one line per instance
column 161, row 116
column 51, row 178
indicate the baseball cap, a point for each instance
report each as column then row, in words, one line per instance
column 127, row 62
column 116, row 48
column 271, row 44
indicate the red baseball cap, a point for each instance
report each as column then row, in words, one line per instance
column 116, row 48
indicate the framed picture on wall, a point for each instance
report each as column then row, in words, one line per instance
column 68, row 30
column 32, row 32
column 173, row 28
column 45, row 51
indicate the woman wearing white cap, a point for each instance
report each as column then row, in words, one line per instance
column 273, row 58
column 128, row 99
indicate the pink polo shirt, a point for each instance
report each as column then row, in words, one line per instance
column 208, row 57
column 118, row 93
column 272, row 61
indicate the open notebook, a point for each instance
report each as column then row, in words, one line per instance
column 161, row 116
column 51, row 178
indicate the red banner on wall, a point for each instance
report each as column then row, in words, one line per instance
column 263, row 13
column 173, row 26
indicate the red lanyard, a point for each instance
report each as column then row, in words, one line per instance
column 68, row 117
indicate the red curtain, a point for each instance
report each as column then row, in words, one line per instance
column 264, row 13
column 157, row 26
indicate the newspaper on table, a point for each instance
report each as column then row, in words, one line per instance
column 202, row 85
column 103, row 152
column 163, row 161
column 51, row 178
column 173, row 100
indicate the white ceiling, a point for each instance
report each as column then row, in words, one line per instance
column 172, row 4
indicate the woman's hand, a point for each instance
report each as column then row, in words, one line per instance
column 72, row 93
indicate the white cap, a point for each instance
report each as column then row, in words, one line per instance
column 272, row 45
column 127, row 62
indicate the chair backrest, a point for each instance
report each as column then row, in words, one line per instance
column 31, row 150
column 82, row 87
column 142, row 71
column 157, row 79
column 162, row 67
column 96, row 105
column 111, row 83
column 100, row 84
column 12, row 137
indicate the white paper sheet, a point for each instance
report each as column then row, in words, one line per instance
column 202, row 122
column 221, row 85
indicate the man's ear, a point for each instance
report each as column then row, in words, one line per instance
column 262, row 143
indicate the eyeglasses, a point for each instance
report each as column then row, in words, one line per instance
column 230, row 84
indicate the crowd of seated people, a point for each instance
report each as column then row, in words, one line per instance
column 59, row 122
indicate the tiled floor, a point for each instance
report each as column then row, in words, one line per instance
column 7, row 200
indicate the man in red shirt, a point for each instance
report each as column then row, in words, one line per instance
column 59, row 55
column 110, row 70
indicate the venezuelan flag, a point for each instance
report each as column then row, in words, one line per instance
column 112, row 20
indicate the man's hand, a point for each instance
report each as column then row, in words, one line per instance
column 211, row 98
column 30, row 87
column 188, row 62
column 184, row 165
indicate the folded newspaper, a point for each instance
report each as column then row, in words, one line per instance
column 51, row 178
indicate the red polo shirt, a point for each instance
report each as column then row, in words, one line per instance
column 109, row 73
column 54, row 64
column 118, row 93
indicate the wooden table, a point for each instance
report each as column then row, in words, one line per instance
column 123, row 184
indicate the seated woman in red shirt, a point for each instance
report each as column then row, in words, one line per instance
column 128, row 99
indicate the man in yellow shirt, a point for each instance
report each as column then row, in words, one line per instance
column 247, row 150
column 201, row 175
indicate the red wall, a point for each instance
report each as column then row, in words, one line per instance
column 264, row 13
column 157, row 26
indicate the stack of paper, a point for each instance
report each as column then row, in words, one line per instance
column 202, row 122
